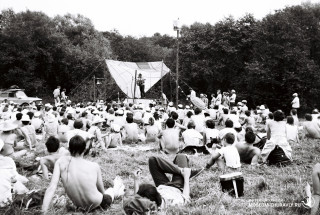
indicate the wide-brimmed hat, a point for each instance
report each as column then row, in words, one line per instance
column 170, row 104
column 7, row 126
column 25, row 118
column 262, row 107
column 180, row 106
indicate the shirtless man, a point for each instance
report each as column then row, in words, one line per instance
column 311, row 128
column 47, row 162
column 131, row 131
column 81, row 179
column 248, row 153
column 169, row 138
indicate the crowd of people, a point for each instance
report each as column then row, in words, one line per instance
column 72, row 131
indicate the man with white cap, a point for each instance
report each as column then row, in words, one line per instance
column 295, row 102
column 29, row 134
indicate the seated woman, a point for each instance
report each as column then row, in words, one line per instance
column 114, row 138
column 152, row 131
column 9, row 138
column 29, row 134
column 277, row 149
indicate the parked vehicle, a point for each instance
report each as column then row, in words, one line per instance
column 17, row 96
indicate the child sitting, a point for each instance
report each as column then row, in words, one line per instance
column 114, row 138
column 47, row 162
column 292, row 131
column 227, row 155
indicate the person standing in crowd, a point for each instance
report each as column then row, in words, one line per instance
column 56, row 95
column 233, row 99
column 140, row 83
column 218, row 98
column 295, row 102
column 64, row 97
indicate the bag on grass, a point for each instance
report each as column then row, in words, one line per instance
column 278, row 157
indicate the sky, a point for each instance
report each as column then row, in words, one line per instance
column 146, row 17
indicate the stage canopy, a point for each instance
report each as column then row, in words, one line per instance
column 124, row 73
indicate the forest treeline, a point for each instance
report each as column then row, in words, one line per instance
column 265, row 60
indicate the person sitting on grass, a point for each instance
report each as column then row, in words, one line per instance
column 114, row 138
column 187, row 119
column 192, row 137
column 294, row 114
column 311, row 128
column 199, row 120
column 152, row 131
column 29, row 134
column 10, row 180
column 82, row 180
column 47, row 162
column 248, row 153
column 130, row 131
column 277, row 140
column 292, row 131
column 210, row 133
column 169, row 138
column 165, row 193
column 228, row 129
column 78, row 125
column 227, row 156
column 248, row 120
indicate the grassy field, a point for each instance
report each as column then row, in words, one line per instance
column 264, row 184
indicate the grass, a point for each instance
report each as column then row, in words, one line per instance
column 264, row 184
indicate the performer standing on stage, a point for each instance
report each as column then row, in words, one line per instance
column 140, row 83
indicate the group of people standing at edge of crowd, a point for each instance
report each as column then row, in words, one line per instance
column 59, row 96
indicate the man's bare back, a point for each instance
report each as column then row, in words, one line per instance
column 170, row 140
column 79, row 178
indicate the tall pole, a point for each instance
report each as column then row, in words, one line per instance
column 94, row 88
column 161, row 82
column 177, row 70
column 134, row 88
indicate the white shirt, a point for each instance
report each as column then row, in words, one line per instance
column 231, row 156
column 295, row 103
column 199, row 121
column 224, row 131
column 56, row 92
column 233, row 98
column 192, row 137
column 211, row 133
column 172, row 196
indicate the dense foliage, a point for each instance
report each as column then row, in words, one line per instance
column 265, row 61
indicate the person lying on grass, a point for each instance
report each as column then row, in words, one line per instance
column 47, row 162
column 165, row 192
column 227, row 156
column 248, row 153
column 82, row 180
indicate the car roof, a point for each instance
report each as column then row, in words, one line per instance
column 11, row 90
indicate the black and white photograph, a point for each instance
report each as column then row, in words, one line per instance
column 140, row 107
